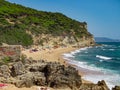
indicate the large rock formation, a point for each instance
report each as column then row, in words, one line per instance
column 101, row 85
column 41, row 73
column 17, row 69
column 116, row 88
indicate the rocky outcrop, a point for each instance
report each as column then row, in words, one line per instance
column 4, row 71
column 31, row 78
column 48, row 40
column 41, row 73
column 101, row 85
column 17, row 69
column 59, row 76
column 116, row 88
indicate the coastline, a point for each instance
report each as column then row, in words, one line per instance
column 92, row 73
column 49, row 55
column 53, row 55
column 56, row 55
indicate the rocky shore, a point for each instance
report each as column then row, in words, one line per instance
column 27, row 73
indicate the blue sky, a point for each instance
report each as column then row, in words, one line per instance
column 102, row 16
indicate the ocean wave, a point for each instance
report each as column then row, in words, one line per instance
column 99, row 46
column 118, row 58
column 83, row 65
column 109, row 46
column 103, row 57
column 103, row 49
column 111, row 77
column 71, row 54
column 101, row 60
column 74, row 52
column 84, row 48
column 105, row 45
column 68, row 55
column 86, row 52
column 111, row 49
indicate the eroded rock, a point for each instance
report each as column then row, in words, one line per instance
column 59, row 76
column 17, row 69
column 101, row 85
column 4, row 71
column 41, row 73
column 116, row 88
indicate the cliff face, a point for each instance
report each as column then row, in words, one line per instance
column 48, row 40
column 26, row 26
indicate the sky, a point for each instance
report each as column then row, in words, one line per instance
column 102, row 16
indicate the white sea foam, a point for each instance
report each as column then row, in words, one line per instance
column 105, row 45
column 111, row 49
column 110, row 79
column 84, row 48
column 83, row 65
column 76, row 51
column 103, row 49
column 86, row 52
column 68, row 55
column 109, row 76
column 101, row 60
column 98, row 46
column 103, row 57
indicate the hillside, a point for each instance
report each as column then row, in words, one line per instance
column 25, row 26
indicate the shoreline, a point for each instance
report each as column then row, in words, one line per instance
column 53, row 55
column 56, row 55
column 89, row 74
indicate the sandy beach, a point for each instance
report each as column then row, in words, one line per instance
column 50, row 55
column 56, row 55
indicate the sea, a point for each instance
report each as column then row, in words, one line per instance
column 98, row 62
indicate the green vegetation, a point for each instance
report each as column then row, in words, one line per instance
column 16, row 19
column 5, row 60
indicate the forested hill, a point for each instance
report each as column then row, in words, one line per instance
column 16, row 20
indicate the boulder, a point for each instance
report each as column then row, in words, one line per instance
column 116, row 88
column 30, row 79
column 39, row 78
column 37, row 67
column 17, row 69
column 4, row 71
column 59, row 76
column 24, row 83
column 101, row 85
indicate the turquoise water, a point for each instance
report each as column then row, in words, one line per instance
column 103, row 60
